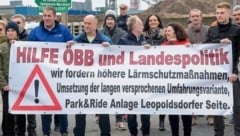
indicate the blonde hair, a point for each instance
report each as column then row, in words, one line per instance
column 3, row 23
column 132, row 20
column 223, row 5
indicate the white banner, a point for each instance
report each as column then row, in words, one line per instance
column 89, row 79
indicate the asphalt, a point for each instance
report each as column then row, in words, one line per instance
column 92, row 129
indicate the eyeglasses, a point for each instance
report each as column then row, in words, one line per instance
column 18, row 22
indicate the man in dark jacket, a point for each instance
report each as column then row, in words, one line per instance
column 21, row 119
column 92, row 35
column 135, row 37
column 225, row 32
column 122, row 19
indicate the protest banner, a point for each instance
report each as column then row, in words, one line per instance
column 89, row 79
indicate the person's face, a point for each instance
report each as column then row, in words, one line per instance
column 195, row 17
column 222, row 15
column 138, row 27
column 11, row 34
column 2, row 30
column 170, row 33
column 123, row 11
column 49, row 18
column 110, row 22
column 153, row 22
column 236, row 17
column 20, row 22
column 90, row 25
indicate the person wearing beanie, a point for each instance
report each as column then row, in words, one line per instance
column 12, row 32
column 111, row 30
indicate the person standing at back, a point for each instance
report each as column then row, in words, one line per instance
column 21, row 119
column 111, row 30
column 50, row 30
column 236, row 15
column 197, row 33
column 122, row 19
column 225, row 32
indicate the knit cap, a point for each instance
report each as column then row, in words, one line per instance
column 12, row 25
column 110, row 13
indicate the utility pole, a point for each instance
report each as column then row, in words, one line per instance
column 234, row 3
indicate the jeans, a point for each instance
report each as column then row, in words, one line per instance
column 46, row 123
column 132, row 124
column 104, row 125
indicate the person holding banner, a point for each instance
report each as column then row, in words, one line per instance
column 226, row 32
column 111, row 30
column 50, row 30
column 135, row 37
column 197, row 33
column 21, row 119
column 12, row 32
column 176, row 35
column 91, row 35
column 153, row 31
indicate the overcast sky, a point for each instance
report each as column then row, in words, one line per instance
column 97, row 3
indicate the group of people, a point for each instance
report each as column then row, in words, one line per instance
column 123, row 30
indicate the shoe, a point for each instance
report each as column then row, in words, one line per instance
column 230, row 122
column 64, row 134
column 97, row 119
column 125, row 117
column 210, row 120
column 120, row 126
column 32, row 133
column 194, row 121
column 161, row 126
column 56, row 128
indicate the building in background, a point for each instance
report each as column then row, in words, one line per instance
column 15, row 3
column 26, row 10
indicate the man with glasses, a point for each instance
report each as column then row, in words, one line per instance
column 21, row 119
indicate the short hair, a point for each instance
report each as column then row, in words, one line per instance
column 51, row 9
column 236, row 8
column 146, row 25
column 2, row 22
column 195, row 10
column 179, row 30
column 19, row 16
column 132, row 21
column 223, row 5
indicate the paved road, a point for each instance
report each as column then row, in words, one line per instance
column 201, row 129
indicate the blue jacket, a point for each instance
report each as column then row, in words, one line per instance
column 100, row 38
column 130, row 39
column 59, row 33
